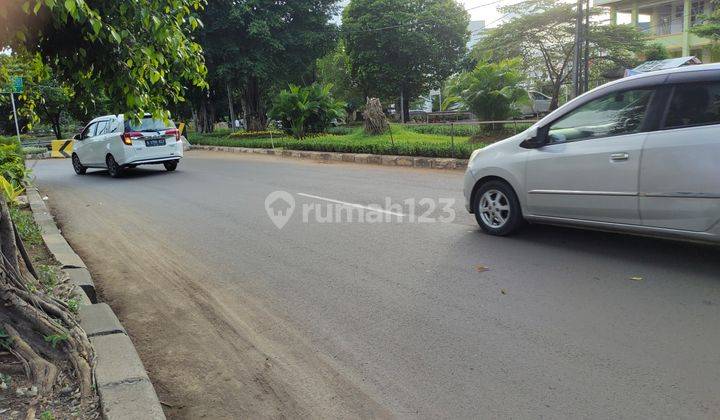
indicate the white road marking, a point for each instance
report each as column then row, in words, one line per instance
column 359, row 206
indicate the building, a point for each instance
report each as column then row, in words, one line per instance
column 667, row 22
column 476, row 28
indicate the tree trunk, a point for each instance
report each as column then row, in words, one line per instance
column 230, row 105
column 375, row 121
column 554, row 101
column 255, row 118
column 57, row 129
column 406, row 108
column 29, row 316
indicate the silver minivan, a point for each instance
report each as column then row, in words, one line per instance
column 640, row 155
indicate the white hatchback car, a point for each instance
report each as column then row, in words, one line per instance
column 640, row 155
column 116, row 143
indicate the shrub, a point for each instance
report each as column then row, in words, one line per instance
column 378, row 145
column 309, row 109
column 11, row 141
column 257, row 134
column 341, row 130
column 491, row 89
column 27, row 228
column 12, row 162
column 32, row 150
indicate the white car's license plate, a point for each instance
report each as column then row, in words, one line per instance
column 154, row 142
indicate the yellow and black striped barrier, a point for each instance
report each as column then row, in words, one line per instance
column 61, row 148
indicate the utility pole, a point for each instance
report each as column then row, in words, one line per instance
column 577, row 56
column 586, row 58
column 17, row 127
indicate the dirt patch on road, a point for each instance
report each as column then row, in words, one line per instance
column 209, row 355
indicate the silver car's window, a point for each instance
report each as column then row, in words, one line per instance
column 611, row 115
column 694, row 104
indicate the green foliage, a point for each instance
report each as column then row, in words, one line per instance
column 31, row 150
column 257, row 47
column 48, row 276
column 56, row 339
column 11, row 141
column 141, row 53
column 334, row 69
column 256, row 134
column 710, row 27
column 491, row 89
column 404, row 142
column 74, row 305
column 29, row 231
column 404, row 46
column 308, row 109
column 10, row 192
column 47, row 415
column 465, row 130
column 542, row 32
column 12, row 162
column 655, row 51
column 341, row 130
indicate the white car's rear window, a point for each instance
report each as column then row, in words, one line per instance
column 149, row 124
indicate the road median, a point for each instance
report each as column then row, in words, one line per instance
column 362, row 158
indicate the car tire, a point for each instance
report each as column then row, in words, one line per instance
column 170, row 166
column 497, row 208
column 114, row 169
column 79, row 168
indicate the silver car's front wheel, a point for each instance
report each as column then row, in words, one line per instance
column 495, row 209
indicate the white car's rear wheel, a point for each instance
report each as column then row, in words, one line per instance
column 171, row 166
column 114, row 169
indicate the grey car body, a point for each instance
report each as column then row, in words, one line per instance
column 639, row 155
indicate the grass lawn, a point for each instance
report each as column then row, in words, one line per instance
column 405, row 140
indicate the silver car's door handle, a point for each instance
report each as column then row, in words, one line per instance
column 618, row 157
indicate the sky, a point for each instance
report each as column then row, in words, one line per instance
column 486, row 13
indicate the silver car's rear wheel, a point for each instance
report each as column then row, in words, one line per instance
column 494, row 209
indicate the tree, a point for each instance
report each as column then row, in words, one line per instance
column 256, row 47
column 44, row 98
column 142, row 53
column 491, row 89
column 36, row 327
column 543, row 34
column 403, row 48
column 710, row 26
column 304, row 110
column 334, row 69
column 655, row 51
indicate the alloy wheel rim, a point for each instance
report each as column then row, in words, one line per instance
column 494, row 209
column 76, row 163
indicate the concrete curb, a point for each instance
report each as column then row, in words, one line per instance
column 123, row 385
column 384, row 160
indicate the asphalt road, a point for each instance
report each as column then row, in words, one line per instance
column 234, row 317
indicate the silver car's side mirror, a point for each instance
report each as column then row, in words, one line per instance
column 534, row 139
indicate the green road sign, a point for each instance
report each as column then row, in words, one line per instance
column 17, row 84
